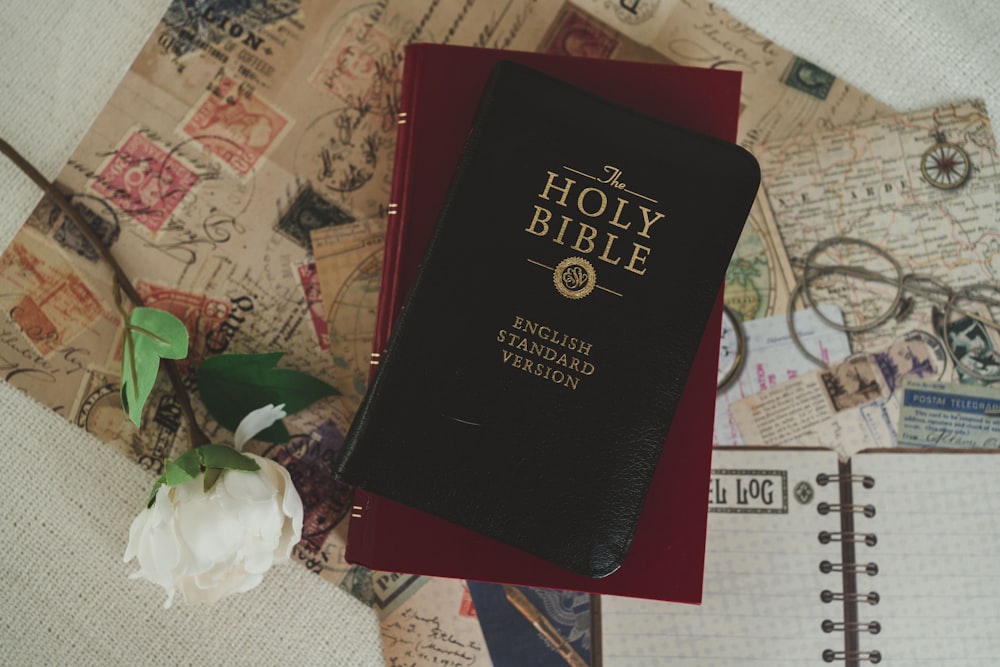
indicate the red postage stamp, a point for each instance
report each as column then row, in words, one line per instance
column 574, row 34
column 36, row 325
column 309, row 280
column 466, row 607
column 144, row 181
column 49, row 301
column 358, row 63
column 235, row 125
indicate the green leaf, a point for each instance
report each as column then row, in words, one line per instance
column 226, row 458
column 233, row 385
column 150, row 334
column 175, row 474
column 212, row 476
column 190, row 462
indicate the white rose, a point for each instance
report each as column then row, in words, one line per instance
column 209, row 544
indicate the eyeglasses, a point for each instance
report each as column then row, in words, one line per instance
column 871, row 288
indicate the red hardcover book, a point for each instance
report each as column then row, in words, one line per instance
column 440, row 94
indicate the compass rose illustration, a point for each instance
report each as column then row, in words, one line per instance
column 945, row 165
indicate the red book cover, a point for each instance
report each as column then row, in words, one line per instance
column 440, row 95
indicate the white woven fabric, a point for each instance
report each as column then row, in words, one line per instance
column 67, row 503
column 910, row 54
column 66, row 500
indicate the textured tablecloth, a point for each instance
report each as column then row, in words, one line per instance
column 66, row 500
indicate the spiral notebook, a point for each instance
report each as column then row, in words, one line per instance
column 890, row 558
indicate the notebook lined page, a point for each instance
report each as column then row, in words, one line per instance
column 937, row 524
column 761, row 603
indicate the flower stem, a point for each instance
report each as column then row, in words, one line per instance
column 198, row 436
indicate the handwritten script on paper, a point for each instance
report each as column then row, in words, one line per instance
column 436, row 627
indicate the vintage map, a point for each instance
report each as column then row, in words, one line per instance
column 895, row 183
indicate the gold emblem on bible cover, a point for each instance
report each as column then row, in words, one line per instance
column 574, row 277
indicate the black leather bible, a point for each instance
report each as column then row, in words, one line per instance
column 530, row 382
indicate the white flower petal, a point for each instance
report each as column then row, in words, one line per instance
column 259, row 558
column 252, row 580
column 271, row 470
column 211, row 535
column 149, row 567
column 219, row 583
column 262, row 521
column 153, row 542
column 164, row 552
column 290, row 501
column 292, row 532
column 144, row 552
column 135, row 534
column 170, row 598
column 163, row 504
column 257, row 421
column 291, row 507
column 249, row 486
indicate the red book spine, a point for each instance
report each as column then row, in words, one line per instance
column 389, row 299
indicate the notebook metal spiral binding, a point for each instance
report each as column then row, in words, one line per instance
column 825, row 537
column 874, row 657
column 826, row 508
column 829, row 596
column 871, row 569
column 871, row 627
column 849, row 568
column 866, row 481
